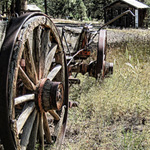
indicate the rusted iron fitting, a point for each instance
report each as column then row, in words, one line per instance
column 84, row 54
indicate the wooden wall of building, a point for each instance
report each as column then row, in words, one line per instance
column 127, row 20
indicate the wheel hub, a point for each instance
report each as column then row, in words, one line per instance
column 50, row 95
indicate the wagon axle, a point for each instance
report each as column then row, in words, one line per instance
column 91, row 68
column 50, row 95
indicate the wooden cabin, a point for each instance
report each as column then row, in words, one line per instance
column 114, row 9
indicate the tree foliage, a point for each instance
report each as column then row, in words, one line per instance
column 77, row 9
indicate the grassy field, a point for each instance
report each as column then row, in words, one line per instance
column 114, row 114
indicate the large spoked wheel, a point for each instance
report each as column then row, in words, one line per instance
column 101, row 53
column 34, row 85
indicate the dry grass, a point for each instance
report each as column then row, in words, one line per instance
column 114, row 114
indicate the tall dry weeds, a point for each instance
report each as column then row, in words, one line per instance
column 114, row 114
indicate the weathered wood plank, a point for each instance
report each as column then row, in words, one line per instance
column 74, row 30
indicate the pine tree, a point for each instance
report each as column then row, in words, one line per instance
column 79, row 10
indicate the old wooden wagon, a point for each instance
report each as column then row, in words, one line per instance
column 35, row 65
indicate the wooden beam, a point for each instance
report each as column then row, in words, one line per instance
column 24, row 98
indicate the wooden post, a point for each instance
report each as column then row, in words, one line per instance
column 3, row 9
column 21, row 6
column 136, row 18
column 12, row 7
column 45, row 3
column 6, row 7
column 105, row 15
column 18, row 6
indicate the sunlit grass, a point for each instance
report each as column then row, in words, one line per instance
column 114, row 114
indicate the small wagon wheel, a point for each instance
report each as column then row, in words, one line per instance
column 34, row 85
column 101, row 53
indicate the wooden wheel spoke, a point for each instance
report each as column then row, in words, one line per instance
column 28, row 109
column 44, row 49
column 24, row 98
column 54, row 114
column 49, row 59
column 46, row 129
column 41, row 132
column 30, row 64
column 54, row 72
column 25, row 79
column 27, row 130
column 37, row 47
column 33, row 137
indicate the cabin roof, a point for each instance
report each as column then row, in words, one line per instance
column 134, row 3
column 31, row 7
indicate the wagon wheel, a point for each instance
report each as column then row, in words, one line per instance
column 101, row 53
column 34, row 85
